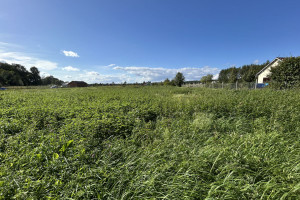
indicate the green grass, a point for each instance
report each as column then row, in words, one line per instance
column 149, row 143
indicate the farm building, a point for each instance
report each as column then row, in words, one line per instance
column 77, row 84
column 262, row 75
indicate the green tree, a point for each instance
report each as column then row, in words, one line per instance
column 224, row 75
column 233, row 75
column 179, row 79
column 245, row 73
column 35, row 76
column 286, row 74
column 207, row 79
column 17, row 75
column 49, row 80
column 248, row 72
column 13, row 74
column 167, row 82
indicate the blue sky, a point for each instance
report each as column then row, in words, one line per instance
column 145, row 40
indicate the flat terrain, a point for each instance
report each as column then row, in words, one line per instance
column 149, row 143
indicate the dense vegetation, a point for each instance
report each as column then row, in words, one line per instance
column 286, row 74
column 207, row 79
column 149, row 143
column 245, row 73
column 18, row 75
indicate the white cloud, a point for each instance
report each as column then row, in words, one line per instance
column 255, row 62
column 27, row 61
column 44, row 74
column 139, row 74
column 92, row 73
column 216, row 76
column 70, row 53
column 111, row 65
column 71, row 69
column 159, row 74
column 95, row 77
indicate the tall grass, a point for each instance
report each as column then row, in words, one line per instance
column 149, row 143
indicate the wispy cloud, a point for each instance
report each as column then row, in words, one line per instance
column 92, row 73
column 95, row 77
column 27, row 61
column 159, row 74
column 132, row 74
column 255, row 62
column 71, row 69
column 5, row 45
column 70, row 53
column 44, row 74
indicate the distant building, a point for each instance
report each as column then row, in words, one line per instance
column 65, row 84
column 77, row 84
column 53, row 86
column 262, row 75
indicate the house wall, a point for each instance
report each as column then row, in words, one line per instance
column 72, row 85
column 265, row 73
column 77, row 84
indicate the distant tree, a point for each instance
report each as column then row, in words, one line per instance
column 167, row 82
column 224, row 75
column 286, row 74
column 207, row 79
column 13, row 74
column 229, row 75
column 50, row 80
column 248, row 72
column 35, row 76
column 172, row 82
column 233, row 75
column 245, row 73
column 24, row 75
column 179, row 79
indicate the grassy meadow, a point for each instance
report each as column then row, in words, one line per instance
column 149, row 143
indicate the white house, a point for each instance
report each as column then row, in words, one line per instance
column 262, row 75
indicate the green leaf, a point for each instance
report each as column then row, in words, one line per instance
column 69, row 143
column 1, row 183
column 55, row 156
column 38, row 156
column 63, row 148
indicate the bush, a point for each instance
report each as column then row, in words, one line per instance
column 286, row 74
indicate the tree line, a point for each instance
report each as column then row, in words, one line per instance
column 178, row 80
column 245, row 73
column 18, row 75
column 285, row 75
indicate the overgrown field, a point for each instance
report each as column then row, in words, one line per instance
column 149, row 143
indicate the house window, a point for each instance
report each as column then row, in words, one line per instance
column 266, row 80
